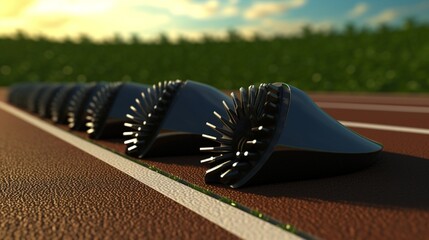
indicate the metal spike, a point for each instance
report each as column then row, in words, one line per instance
column 273, row 96
column 208, row 160
column 209, row 137
column 225, row 141
column 158, row 108
column 148, row 99
column 261, row 130
column 241, row 165
column 220, row 130
column 136, row 120
column 216, row 149
column 227, row 123
column 206, row 149
column 162, row 101
column 132, row 140
column 160, row 87
column 273, row 88
column 152, row 116
column 231, row 114
column 130, row 125
column 166, row 94
column 153, row 97
column 236, row 102
column 148, row 123
column 256, row 143
column 137, row 112
column 221, row 167
column 270, row 106
column 223, row 157
column 146, row 104
column 229, row 175
column 244, row 100
column 259, row 102
column 252, row 96
column 248, row 154
column 133, row 147
column 268, row 117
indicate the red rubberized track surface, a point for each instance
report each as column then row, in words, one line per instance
column 51, row 189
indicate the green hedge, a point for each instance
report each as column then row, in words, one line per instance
column 385, row 59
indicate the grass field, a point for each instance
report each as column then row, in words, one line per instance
column 385, row 59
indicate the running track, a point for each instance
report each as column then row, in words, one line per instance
column 55, row 185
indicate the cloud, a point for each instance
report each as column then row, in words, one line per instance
column 197, row 10
column 392, row 14
column 358, row 10
column 13, row 8
column 194, row 10
column 230, row 11
column 71, row 7
column 101, row 19
column 385, row 16
column 265, row 28
column 98, row 19
column 147, row 18
column 264, row 9
column 269, row 27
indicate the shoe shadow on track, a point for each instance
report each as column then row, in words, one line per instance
column 395, row 180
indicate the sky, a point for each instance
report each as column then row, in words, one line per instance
column 102, row 19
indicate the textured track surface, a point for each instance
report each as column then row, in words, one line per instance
column 50, row 189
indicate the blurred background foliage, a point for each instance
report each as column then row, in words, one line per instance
column 385, row 59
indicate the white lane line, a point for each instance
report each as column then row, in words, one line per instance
column 385, row 127
column 232, row 219
column 373, row 107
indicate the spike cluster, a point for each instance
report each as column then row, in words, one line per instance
column 74, row 107
column 146, row 116
column 46, row 100
column 34, row 98
column 19, row 95
column 244, row 136
column 57, row 103
column 98, row 108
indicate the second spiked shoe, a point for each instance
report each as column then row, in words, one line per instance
column 167, row 119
